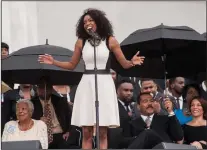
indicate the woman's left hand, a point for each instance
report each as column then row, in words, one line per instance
column 197, row 145
column 137, row 60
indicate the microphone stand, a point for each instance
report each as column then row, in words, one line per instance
column 96, row 96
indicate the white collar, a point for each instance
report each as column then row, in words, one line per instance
column 145, row 117
column 180, row 98
column 154, row 95
column 204, row 86
column 121, row 102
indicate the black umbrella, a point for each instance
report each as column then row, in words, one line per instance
column 203, row 76
column 23, row 67
column 179, row 51
column 204, row 34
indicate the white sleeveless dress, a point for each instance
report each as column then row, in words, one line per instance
column 84, row 111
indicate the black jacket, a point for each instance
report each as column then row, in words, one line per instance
column 61, row 108
column 168, row 128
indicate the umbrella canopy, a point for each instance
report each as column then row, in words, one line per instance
column 203, row 76
column 204, row 34
column 178, row 51
column 4, row 87
column 23, row 67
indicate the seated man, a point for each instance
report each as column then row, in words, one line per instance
column 149, row 85
column 125, row 95
column 55, row 112
column 152, row 129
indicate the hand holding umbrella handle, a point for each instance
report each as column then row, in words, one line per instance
column 168, row 105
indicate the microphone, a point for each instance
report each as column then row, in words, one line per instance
column 89, row 30
column 92, row 33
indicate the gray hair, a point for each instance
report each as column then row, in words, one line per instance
column 28, row 102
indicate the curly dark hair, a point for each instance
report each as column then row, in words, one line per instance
column 203, row 104
column 187, row 87
column 104, row 27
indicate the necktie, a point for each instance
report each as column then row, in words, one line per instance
column 148, row 122
column 133, row 79
column 178, row 103
column 127, row 107
column 48, row 115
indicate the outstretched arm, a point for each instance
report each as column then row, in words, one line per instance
column 48, row 59
column 116, row 49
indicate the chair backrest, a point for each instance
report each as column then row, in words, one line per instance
column 164, row 145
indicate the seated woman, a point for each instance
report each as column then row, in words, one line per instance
column 195, row 131
column 189, row 91
column 25, row 128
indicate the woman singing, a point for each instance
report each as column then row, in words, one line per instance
column 95, row 21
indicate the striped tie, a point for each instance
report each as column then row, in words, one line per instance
column 148, row 122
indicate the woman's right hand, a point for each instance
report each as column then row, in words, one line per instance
column 46, row 59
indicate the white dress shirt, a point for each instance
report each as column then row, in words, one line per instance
column 180, row 101
column 145, row 117
column 204, row 86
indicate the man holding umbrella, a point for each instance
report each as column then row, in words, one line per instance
column 55, row 112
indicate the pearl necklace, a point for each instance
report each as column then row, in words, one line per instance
column 29, row 126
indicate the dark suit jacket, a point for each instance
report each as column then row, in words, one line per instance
column 168, row 128
column 10, row 99
column 203, row 93
column 61, row 108
column 124, row 120
column 72, row 92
